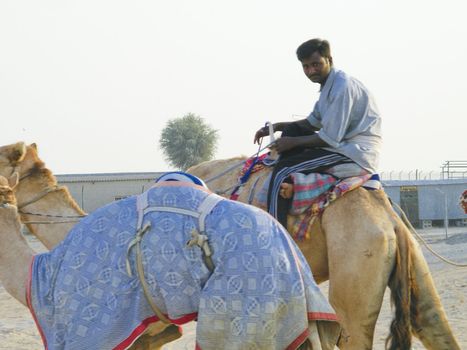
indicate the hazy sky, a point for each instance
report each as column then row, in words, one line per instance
column 94, row 82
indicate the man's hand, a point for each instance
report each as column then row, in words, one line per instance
column 285, row 143
column 264, row 131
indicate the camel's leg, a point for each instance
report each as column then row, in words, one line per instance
column 314, row 336
column 361, row 249
column 431, row 326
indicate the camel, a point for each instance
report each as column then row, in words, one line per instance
column 356, row 298
column 264, row 238
column 361, row 246
column 38, row 192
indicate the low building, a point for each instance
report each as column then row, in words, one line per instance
column 92, row 191
column 426, row 202
column 429, row 202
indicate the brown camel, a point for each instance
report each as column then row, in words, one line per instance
column 372, row 244
column 38, row 192
column 361, row 246
column 16, row 257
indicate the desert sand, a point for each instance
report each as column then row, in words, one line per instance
column 18, row 331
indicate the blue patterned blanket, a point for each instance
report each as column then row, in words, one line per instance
column 260, row 295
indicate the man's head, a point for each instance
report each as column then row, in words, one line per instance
column 316, row 59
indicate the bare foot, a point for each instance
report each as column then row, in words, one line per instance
column 286, row 190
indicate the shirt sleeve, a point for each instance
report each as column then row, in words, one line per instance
column 336, row 119
column 314, row 118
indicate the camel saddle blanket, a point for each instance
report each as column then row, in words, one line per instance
column 260, row 295
column 314, row 192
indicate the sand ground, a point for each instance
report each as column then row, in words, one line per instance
column 18, row 331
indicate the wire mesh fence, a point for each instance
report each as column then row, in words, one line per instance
column 451, row 169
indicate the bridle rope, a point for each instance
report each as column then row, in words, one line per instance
column 421, row 239
column 229, row 169
column 38, row 197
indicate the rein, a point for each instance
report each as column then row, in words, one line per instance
column 239, row 182
column 238, row 164
column 421, row 239
column 38, row 197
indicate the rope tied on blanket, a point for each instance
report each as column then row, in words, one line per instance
column 139, row 265
column 251, row 166
column 202, row 241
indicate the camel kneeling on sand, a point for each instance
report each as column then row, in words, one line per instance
column 90, row 290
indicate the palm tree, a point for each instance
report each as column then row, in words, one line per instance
column 187, row 141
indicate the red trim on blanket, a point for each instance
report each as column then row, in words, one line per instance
column 292, row 346
column 299, row 340
column 322, row 316
column 139, row 330
column 29, row 303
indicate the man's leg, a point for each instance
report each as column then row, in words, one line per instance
column 288, row 158
column 306, row 161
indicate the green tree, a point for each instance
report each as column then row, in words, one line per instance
column 187, row 141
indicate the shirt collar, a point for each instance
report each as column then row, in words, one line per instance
column 329, row 80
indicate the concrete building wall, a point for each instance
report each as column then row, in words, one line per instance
column 92, row 191
column 434, row 198
column 437, row 199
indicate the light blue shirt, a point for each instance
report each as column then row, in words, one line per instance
column 348, row 119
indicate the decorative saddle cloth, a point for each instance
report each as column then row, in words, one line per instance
column 260, row 295
column 313, row 192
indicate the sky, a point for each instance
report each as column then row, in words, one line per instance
column 94, row 82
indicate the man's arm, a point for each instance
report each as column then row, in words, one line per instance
column 286, row 143
column 280, row 126
column 305, row 125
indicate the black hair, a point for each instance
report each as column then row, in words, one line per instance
column 309, row 47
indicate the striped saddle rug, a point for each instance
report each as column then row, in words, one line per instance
column 260, row 295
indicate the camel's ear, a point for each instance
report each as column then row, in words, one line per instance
column 33, row 145
column 18, row 152
column 13, row 180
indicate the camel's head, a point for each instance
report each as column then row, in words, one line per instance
column 7, row 196
column 20, row 158
column 10, row 157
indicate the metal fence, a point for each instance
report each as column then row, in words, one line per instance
column 415, row 174
column 450, row 170
column 454, row 169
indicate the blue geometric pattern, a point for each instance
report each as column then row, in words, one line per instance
column 258, row 296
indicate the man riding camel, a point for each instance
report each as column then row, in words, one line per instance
column 343, row 132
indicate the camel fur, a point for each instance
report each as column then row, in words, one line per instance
column 36, row 177
column 341, row 246
column 361, row 246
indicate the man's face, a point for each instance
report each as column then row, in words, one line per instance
column 317, row 67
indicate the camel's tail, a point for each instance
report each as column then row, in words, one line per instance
column 404, row 294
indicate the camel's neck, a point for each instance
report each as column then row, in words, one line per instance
column 15, row 258
column 57, row 206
